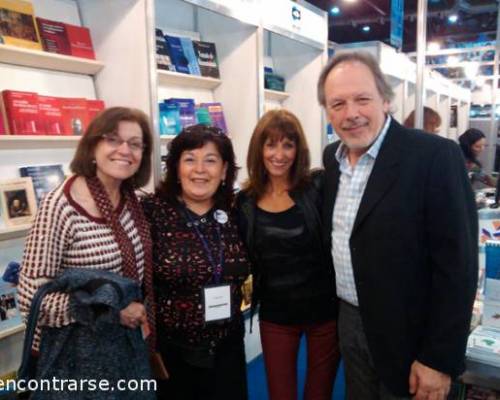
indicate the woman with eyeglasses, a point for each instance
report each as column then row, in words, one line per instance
column 94, row 221
column 199, row 265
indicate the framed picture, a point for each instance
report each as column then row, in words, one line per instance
column 9, row 308
column 17, row 199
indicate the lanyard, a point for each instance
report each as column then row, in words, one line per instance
column 216, row 266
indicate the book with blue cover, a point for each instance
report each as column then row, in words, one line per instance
column 187, row 46
column 177, row 55
column 44, row 177
column 163, row 60
column 187, row 110
column 492, row 273
column 170, row 119
column 207, row 58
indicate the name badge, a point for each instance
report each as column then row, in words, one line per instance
column 217, row 300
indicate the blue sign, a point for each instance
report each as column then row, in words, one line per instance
column 397, row 19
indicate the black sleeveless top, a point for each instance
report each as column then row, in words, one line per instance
column 295, row 285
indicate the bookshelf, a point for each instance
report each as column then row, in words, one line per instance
column 14, row 232
column 274, row 95
column 50, row 61
column 11, row 331
column 38, row 142
column 169, row 78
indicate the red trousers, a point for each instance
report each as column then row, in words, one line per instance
column 280, row 347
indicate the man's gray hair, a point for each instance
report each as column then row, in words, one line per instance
column 384, row 89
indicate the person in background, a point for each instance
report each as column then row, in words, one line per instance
column 280, row 221
column 199, row 265
column 432, row 120
column 472, row 142
column 401, row 224
column 94, row 220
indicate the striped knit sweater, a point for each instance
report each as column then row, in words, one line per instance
column 63, row 236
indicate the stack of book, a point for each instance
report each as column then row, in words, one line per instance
column 484, row 342
column 483, row 345
column 19, row 27
column 28, row 113
column 177, row 113
column 181, row 54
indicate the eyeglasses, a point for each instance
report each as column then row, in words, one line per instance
column 114, row 141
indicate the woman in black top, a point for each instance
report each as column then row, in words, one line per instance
column 199, row 265
column 293, row 279
column 472, row 142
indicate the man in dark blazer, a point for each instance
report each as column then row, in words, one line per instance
column 401, row 223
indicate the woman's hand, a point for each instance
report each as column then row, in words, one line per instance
column 134, row 315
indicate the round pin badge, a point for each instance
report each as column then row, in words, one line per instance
column 220, row 216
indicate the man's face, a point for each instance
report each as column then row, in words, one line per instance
column 354, row 106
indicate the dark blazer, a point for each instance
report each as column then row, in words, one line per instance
column 414, row 248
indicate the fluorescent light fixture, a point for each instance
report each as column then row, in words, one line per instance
column 350, row 1
column 335, row 10
column 366, row 28
column 453, row 61
column 433, row 46
column 453, row 18
column 471, row 69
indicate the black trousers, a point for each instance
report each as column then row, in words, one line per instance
column 226, row 380
column 362, row 381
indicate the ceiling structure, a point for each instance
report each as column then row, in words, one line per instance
column 450, row 24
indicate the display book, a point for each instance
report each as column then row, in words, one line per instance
column 186, row 56
column 30, row 113
column 20, row 197
column 178, row 113
column 484, row 342
column 20, row 27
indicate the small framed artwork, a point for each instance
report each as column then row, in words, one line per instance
column 17, row 200
column 9, row 308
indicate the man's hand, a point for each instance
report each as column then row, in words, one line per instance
column 427, row 383
column 133, row 316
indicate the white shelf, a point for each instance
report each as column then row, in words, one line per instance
column 12, row 331
column 166, row 138
column 14, row 232
column 37, row 141
column 186, row 80
column 274, row 95
column 52, row 61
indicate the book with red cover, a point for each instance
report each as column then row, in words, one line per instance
column 53, row 35
column 80, row 41
column 3, row 131
column 75, row 115
column 94, row 107
column 50, row 115
column 21, row 111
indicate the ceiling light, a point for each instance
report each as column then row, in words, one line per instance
column 433, row 46
column 366, row 28
column 452, row 61
column 350, row 1
column 453, row 18
column 480, row 81
column 471, row 69
column 335, row 11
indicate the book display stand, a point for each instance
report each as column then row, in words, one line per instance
column 125, row 73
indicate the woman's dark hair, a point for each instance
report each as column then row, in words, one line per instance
column 467, row 140
column 106, row 122
column 195, row 137
column 431, row 120
column 276, row 125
